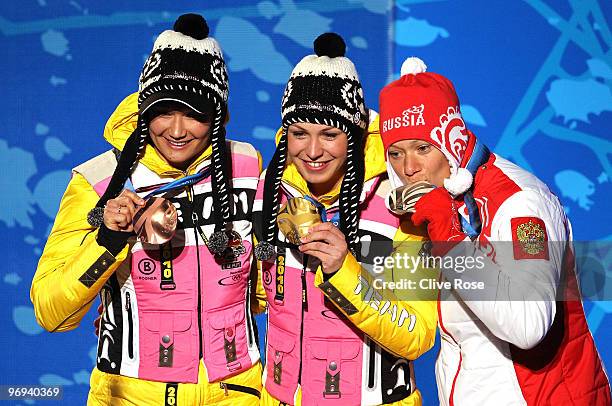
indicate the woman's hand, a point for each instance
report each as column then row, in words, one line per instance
column 327, row 243
column 119, row 212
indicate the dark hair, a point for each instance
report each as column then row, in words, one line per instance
column 350, row 191
column 197, row 77
column 127, row 161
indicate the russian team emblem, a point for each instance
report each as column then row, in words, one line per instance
column 529, row 238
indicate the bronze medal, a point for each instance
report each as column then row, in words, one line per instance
column 155, row 222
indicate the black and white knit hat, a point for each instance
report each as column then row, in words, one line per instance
column 323, row 89
column 185, row 66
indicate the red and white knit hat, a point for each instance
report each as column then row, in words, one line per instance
column 424, row 106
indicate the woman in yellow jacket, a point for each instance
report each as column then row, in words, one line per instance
column 334, row 336
column 176, row 326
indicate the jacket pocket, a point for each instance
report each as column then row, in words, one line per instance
column 225, row 343
column 332, row 370
column 227, row 387
column 282, row 363
column 167, row 340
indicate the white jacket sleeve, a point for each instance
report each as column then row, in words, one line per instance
column 520, row 273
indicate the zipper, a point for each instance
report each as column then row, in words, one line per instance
column 304, row 308
column 128, row 308
column 194, row 218
column 250, row 338
column 238, row 388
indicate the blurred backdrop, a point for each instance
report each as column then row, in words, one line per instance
column 534, row 78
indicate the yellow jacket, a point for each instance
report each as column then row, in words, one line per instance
column 385, row 331
column 60, row 299
column 72, row 255
column 376, row 312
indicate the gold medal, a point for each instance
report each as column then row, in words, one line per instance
column 296, row 217
column 155, row 222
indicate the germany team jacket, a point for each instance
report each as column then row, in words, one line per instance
column 165, row 306
column 341, row 341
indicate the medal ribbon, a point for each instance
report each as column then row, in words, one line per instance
column 335, row 220
column 175, row 184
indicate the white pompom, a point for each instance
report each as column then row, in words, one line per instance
column 413, row 65
column 459, row 182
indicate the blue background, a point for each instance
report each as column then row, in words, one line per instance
column 534, row 79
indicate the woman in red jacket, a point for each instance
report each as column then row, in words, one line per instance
column 513, row 331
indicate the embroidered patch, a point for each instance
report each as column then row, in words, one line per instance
column 529, row 238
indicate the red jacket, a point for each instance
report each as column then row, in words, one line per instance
column 527, row 341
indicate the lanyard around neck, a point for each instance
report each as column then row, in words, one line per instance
column 175, row 184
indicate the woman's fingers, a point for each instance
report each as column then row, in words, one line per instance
column 136, row 200
column 325, row 232
column 130, row 200
column 319, row 236
column 327, row 243
column 321, row 256
column 119, row 212
column 328, row 249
